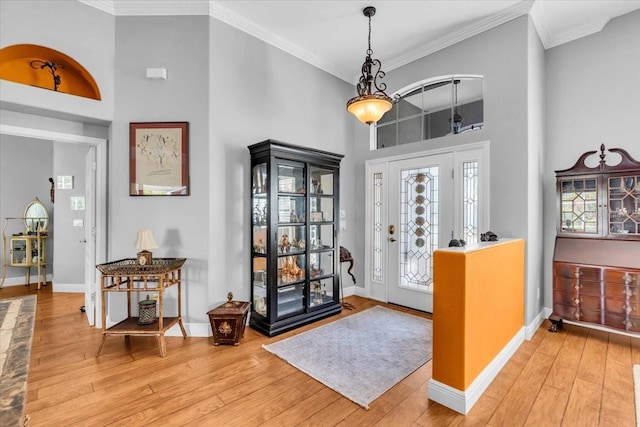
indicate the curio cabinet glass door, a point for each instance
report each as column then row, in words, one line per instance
column 294, row 256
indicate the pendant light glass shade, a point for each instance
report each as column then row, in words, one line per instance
column 371, row 103
column 369, row 108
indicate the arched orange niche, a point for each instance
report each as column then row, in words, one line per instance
column 16, row 66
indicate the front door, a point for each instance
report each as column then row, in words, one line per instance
column 421, row 220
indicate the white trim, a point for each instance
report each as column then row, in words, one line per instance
column 431, row 80
column 512, row 12
column 101, row 182
column 216, row 10
column 382, row 165
column 532, row 328
column 201, row 330
column 76, row 288
column 463, row 401
column 431, row 152
column 374, row 289
column 49, row 135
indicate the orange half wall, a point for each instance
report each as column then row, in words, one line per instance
column 478, row 307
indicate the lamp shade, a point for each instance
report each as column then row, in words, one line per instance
column 145, row 240
column 369, row 108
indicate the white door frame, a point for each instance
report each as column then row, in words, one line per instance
column 100, row 197
column 376, row 288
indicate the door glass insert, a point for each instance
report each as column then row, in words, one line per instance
column 470, row 201
column 377, row 228
column 418, row 226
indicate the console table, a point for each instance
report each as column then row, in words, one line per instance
column 128, row 276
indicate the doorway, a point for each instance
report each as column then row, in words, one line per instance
column 415, row 205
column 96, row 245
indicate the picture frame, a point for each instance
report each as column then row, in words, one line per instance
column 159, row 159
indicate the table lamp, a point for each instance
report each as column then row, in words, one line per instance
column 144, row 242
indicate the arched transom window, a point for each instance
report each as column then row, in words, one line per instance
column 431, row 109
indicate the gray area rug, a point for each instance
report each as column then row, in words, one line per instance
column 17, row 317
column 363, row 355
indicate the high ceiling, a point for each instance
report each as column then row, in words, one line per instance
column 332, row 34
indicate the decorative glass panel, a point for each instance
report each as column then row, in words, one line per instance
column 470, row 201
column 418, row 226
column 579, row 206
column 377, row 227
column 624, row 205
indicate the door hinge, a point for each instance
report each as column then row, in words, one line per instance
column 94, row 166
column 452, row 172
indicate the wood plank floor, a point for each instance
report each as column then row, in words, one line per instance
column 577, row 377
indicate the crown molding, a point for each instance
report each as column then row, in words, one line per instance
column 578, row 32
column 506, row 15
column 103, row 5
column 225, row 15
column 549, row 40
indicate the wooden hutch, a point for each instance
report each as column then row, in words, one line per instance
column 596, row 262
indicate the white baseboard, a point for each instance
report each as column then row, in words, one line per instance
column 463, row 401
column 19, row 280
column 532, row 327
column 201, row 330
column 68, row 287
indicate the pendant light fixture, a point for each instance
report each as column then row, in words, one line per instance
column 371, row 103
column 457, row 118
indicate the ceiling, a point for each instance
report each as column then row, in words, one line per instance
column 332, row 34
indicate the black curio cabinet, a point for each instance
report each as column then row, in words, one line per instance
column 294, row 236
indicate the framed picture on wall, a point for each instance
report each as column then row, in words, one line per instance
column 159, row 159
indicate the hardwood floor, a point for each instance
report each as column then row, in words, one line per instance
column 577, row 377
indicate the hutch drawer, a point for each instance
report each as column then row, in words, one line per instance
column 578, row 272
column 626, row 277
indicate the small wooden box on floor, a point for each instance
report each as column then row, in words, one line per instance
column 228, row 321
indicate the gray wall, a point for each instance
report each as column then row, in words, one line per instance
column 68, row 268
column 592, row 98
column 501, row 56
column 25, row 168
column 259, row 92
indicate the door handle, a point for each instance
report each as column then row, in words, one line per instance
column 392, row 239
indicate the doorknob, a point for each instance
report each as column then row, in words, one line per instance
column 392, row 239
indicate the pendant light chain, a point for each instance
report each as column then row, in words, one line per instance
column 369, row 51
